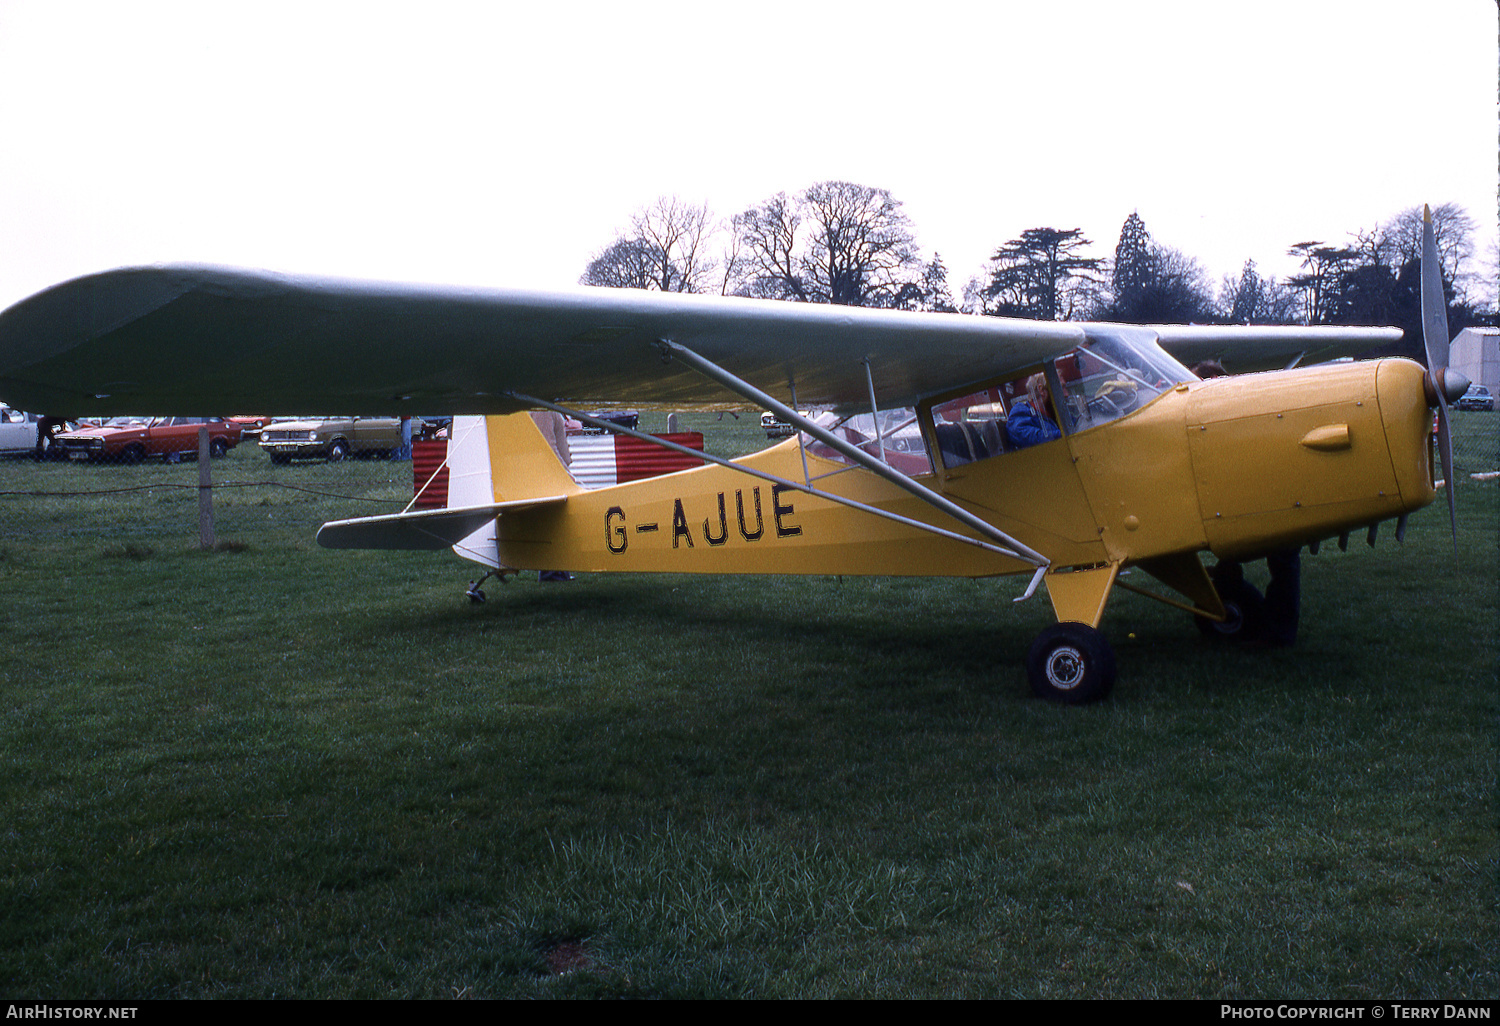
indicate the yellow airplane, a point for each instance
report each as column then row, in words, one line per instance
column 949, row 445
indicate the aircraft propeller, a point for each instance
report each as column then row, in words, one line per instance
column 1444, row 384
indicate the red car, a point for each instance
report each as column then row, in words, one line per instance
column 130, row 440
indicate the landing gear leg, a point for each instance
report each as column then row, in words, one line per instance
column 1071, row 663
column 476, row 596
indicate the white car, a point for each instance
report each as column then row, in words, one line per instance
column 17, row 431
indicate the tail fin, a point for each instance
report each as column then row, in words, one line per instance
column 502, row 459
column 494, row 464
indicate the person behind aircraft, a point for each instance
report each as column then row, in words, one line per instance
column 1030, row 422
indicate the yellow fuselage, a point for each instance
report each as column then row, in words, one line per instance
column 1239, row 466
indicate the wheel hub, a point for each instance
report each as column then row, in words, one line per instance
column 1065, row 667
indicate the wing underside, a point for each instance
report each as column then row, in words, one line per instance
column 203, row 340
column 190, row 339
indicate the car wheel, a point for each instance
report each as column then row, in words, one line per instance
column 217, row 448
column 1071, row 663
column 338, row 452
column 133, row 454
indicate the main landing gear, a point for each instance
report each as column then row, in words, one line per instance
column 1244, row 613
column 1071, row 663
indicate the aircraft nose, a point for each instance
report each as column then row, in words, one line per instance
column 1405, row 391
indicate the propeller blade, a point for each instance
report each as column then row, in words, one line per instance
column 1435, row 341
column 1445, row 453
column 1434, row 303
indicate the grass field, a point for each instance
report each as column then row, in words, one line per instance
column 276, row 770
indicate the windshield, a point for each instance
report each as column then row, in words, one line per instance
column 1113, row 374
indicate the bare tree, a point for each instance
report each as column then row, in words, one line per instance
column 681, row 232
column 668, row 248
column 1452, row 228
column 623, row 264
column 834, row 242
column 768, row 242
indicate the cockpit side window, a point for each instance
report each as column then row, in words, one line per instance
column 970, row 428
column 890, row 435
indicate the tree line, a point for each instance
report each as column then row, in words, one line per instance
column 853, row 245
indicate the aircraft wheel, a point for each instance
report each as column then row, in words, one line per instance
column 1071, row 663
column 1244, row 605
column 476, row 597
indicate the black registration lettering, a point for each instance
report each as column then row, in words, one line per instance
column 739, row 508
column 708, row 535
column 614, row 529
column 679, row 524
column 783, row 530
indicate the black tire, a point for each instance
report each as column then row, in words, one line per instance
column 217, row 448
column 1071, row 663
column 338, row 452
column 1246, row 614
column 133, row 454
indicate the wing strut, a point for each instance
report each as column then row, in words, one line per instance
column 942, row 504
column 620, row 429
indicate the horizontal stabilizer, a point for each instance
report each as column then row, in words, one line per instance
column 428, row 529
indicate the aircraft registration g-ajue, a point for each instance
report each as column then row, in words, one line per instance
column 916, row 466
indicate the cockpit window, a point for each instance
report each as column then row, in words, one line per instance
column 1115, row 372
column 892, row 435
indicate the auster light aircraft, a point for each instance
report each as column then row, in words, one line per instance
column 910, row 470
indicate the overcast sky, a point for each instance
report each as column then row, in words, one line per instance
column 505, row 143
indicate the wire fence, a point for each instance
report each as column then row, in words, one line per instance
column 253, row 498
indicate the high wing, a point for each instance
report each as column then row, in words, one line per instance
column 206, row 339
column 200, row 340
column 1241, row 348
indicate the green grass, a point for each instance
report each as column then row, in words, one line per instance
column 279, row 770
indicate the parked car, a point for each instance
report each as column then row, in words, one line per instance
column 624, row 418
column 17, row 431
column 1476, row 398
column 332, row 438
column 774, row 426
column 132, row 439
column 250, row 427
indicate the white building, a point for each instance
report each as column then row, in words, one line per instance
column 1475, row 354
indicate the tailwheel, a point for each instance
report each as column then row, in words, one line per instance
column 1071, row 663
column 473, row 592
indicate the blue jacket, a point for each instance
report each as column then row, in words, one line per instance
column 1025, row 428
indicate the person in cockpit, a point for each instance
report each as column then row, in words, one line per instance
column 1031, row 420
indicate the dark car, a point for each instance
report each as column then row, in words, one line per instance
column 1476, row 398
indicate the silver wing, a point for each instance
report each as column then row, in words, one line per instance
column 199, row 340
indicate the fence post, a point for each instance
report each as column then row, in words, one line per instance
column 205, row 491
